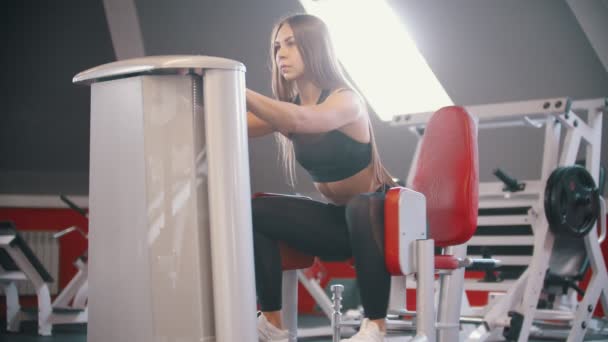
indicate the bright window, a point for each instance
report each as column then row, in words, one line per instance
column 379, row 55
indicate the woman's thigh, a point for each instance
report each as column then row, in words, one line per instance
column 309, row 226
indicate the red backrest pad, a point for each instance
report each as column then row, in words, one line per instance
column 447, row 174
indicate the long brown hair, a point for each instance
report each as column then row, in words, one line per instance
column 320, row 62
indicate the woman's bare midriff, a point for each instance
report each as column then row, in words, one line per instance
column 340, row 192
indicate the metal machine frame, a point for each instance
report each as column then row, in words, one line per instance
column 523, row 295
column 49, row 313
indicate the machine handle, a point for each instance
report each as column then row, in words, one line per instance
column 69, row 230
column 602, row 220
column 511, row 184
column 481, row 263
column 73, row 206
column 533, row 123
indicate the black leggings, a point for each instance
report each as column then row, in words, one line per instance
column 328, row 231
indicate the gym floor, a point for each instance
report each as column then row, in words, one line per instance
column 78, row 333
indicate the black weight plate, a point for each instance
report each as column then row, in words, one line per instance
column 571, row 201
column 550, row 205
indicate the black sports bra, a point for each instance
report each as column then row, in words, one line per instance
column 331, row 156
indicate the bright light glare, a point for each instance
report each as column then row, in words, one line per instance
column 379, row 55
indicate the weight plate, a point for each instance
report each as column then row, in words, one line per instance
column 571, row 201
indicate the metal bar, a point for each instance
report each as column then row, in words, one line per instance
column 477, row 285
column 525, row 122
column 597, row 105
column 336, row 317
column 514, row 111
column 46, row 250
column 506, row 202
column 12, row 275
column 397, row 297
column 509, row 260
column 5, row 240
column 68, row 293
column 425, row 297
column 585, row 309
column 42, row 291
column 501, row 241
column 317, row 292
column 506, row 220
column 496, row 314
column 550, row 149
column 76, row 317
column 13, row 307
column 543, row 238
column 573, row 122
column 39, row 201
column 509, row 113
column 533, row 187
column 290, row 303
column 450, row 297
column 82, row 296
column 229, row 205
column 553, row 315
column 571, row 145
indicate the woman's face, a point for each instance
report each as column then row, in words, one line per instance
column 286, row 54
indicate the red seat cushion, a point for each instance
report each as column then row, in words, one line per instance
column 292, row 259
column 446, row 172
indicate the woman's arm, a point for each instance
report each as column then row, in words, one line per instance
column 257, row 127
column 340, row 109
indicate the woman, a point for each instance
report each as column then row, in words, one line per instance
column 323, row 123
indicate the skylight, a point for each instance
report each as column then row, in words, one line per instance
column 379, row 55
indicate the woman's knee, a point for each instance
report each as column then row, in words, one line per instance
column 256, row 205
column 259, row 212
column 267, row 214
column 365, row 215
column 357, row 211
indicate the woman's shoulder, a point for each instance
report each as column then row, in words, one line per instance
column 346, row 92
column 350, row 98
column 339, row 90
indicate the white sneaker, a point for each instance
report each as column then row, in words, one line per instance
column 369, row 332
column 269, row 333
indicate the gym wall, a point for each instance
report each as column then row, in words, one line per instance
column 44, row 118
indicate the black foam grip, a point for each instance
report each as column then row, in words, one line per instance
column 73, row 205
